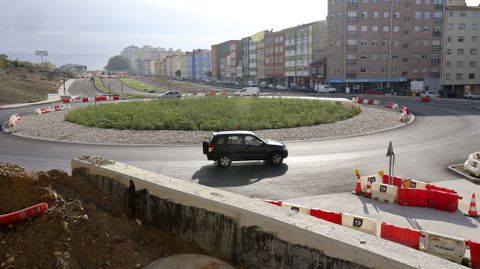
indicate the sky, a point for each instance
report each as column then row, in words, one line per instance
column 103, row 28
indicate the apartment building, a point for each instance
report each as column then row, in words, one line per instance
column 225, row 60
column 147, row 60
column 275, row 58
column 304, row 45
column 174, row 63
column 461, row 69
column 384, row 44
column 198, row 64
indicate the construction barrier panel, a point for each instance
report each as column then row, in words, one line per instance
column 450, row 248
column 371, row 102
column 412, row 197
column 413, row 184
column 396, row 180
column 277, row 203
column 364, row 179
column 360, row 223
column 425, row 99
column 296, row 208
column 405, row 236
column 384, row 192
column 431, row 187
column 365, row 101
column 360, row 100
column 84, row 99
column 334, row 217
column 442, row 200
column 474, row 254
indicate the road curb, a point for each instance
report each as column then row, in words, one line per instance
column 466, row 175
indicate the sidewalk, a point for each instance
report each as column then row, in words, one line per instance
column 451, row 224
column 52, row 98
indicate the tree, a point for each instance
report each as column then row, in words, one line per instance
column 178, row 73
column 118, row 63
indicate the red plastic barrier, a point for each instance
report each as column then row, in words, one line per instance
column 396, row 180
column 370, row 102
column 442, row 200
column 474, row 254
column 412, row 197
column 426, row 99
column 360, row 100
column 278, row 203
column 389, row 104
column 334, row 217
column 56, row 108
column 116, row 98
column 435, row 188
column 85, row 99
column 23, row 214
column 400, row 235
column 66, row 100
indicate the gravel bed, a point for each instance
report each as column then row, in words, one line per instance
column 53, row 126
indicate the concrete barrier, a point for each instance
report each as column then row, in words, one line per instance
column 384, row 192
column 472, row 164
column 245, row 231
column 447, row 247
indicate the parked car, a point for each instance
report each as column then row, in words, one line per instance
column 471, row 95
column 306, row 89
column 248, row 91
column 171, row 94
column 281, row 87
column 263, row 84
column 429, row 94
column 225, row 147
column 252, row 83
column 325, row 89
column 272, row 87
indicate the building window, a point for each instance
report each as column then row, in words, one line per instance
column 459, row 64
column 449, row 64
column 461, row 26
column 458, row 76
column 471, row 76
column 459, row 51
column 460, row 38
column 474, row 38
column 447, row 76
column 473, row 52
column 473, row 64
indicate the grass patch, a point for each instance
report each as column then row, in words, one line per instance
column 213, row 113
column 140, row 86
column 99, row 85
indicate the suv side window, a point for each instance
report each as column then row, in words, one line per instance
column 222, row 140
column 235, row 140
column 252, row 141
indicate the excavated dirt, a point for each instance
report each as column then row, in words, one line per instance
column 81, row 229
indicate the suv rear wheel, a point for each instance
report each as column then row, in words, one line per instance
column 224, row 161
column 276, row 158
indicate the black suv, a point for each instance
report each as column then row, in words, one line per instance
column 225, row 147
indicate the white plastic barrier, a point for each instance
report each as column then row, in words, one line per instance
column 376, row 102
column 363, row 224
column 365, row 101
column 472, row 167
column 354, row 99
column 403, row 117
column 395, row 106
column 364, row 179
column 450, row 248
column 384, row 192
column 296, row 208
column 13, row 120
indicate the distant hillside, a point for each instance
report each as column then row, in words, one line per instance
column 22, row 86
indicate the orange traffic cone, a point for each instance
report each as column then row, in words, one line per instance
column 368, row 192
column 358, row 187
column 472, row 212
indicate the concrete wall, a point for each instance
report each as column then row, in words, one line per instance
column 245, row 231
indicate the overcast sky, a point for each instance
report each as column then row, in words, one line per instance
column 105, row 27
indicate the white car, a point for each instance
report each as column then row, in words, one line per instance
column 429, row 94
column 325, row 89
column 171, row 94
column 471, row 95
column 281, row 87
column 249, row 91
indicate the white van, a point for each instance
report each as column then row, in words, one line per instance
column 325, row 89
column 249, row 91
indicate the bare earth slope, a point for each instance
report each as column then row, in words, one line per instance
column 21, row 86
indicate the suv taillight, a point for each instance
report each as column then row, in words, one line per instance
column 211, row 147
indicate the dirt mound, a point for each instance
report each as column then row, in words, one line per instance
column 82, row 228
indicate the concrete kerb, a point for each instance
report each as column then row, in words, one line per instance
column 454, row 168
column 232, row 218
column 411, row 120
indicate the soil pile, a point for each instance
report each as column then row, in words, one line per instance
column 81, row 229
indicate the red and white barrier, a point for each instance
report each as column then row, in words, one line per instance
column 99, row 98
column 13, row 120
column 363, row 101
column 48, row 109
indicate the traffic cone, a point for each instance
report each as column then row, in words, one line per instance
column 472, row 212
column 368, row 192
column 358, row 188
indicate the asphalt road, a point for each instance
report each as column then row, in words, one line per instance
column 442, row 134
column 83, row 87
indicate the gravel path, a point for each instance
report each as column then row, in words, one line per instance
column 52, row 126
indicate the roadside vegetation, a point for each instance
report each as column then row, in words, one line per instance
column 140, row 86
column 26, row 82
column 184, row 86
column 212, row 113
column 99, row 85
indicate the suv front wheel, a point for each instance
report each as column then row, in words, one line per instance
column 276, row 158
column 224, row 161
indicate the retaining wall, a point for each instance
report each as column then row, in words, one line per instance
column 246, row 231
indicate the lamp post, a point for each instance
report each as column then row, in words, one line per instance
column 84, row 67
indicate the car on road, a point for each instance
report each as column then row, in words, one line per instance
column 225, row 147
column 429, row 94
column 248, row 91
column 171, row 94
column 325, row 89
column 281, row 87
column 469, row 95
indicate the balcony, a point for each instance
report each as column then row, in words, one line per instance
column 352, row 19
column 436, row 61
column 438, row 7
column 351, row 62
column 437, row 21
column 351, row 75
column 352, row 5
column 436, row 48
column 351, row 34
column 437, row 34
